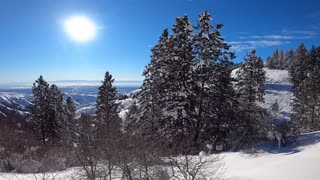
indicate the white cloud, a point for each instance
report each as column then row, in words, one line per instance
column 281, row 37
column 246, row 45
column 248, row 42
column 301, row 32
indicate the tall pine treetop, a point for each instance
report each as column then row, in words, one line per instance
column 251, row 79
column 106, row 100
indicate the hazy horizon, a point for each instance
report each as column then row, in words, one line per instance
column 69, row 83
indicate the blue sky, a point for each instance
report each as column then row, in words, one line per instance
column 33, row 42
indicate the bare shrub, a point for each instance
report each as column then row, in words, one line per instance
column 188, row 167
column 13, row 143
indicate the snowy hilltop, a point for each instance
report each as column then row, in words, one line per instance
column 278, row 88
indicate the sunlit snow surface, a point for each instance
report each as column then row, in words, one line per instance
column 296, row 162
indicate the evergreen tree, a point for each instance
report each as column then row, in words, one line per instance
column 308, row 93
column 70, row 110
column 107, row 106
column 250, row 87
column 276, row 60
column 165, row 96
column 154, row 87
column 178, row 106
column 107, row 120
column 108, row 131
column 289, row 56
column 56, row 113
column 251, row 79
column 299, row 73
column 69, row 124
column 131, row 118
column 280, row 59
column 270, row 63
column 39, row 108
column 213, row 91
column 187, row 82
column 299, row 67
column 47, row 113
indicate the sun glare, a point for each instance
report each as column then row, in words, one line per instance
column 80, row 28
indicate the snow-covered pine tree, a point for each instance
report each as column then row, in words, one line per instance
column 289, row 56
column 280, row 59
column 213, row 87
column 70, row 110
column 107, row 122
column 275, row 57
column 270, row 62
column 312, row 90
column 165, row 96
column 47, row 110
column 130, row 120
column 281, row 62
column 69, row 124
column 107, row 115
column 188, row 81
column 177, row 102
column 56, row 113
column 298, row 71
column 250, row 86
column 39, row 108
column 154, row 88
column 251, row 79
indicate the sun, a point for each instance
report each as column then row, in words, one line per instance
column 80, row 28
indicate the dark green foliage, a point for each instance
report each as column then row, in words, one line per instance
column 250, row 86
column 47, row 112
column 187, row 91
column 305, row 77
column 251, row 79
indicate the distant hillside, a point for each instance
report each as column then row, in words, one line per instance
column 17, row 100
column 278, row 87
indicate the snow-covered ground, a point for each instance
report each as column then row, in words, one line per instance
column 299, row 161
column 278, row 88
column 296, row 162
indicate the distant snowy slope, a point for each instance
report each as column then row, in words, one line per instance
column 278, row 87
column 123, row 105
column 14, row 103
column 18, row 100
